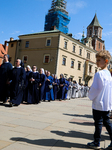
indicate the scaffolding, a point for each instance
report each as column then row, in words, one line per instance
column 57, row 17
column 58, row 5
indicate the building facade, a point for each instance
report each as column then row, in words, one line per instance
column 56, row 52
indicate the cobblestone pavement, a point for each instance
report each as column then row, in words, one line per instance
column 55, row 125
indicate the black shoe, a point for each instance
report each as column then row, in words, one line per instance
column 49, row 100
column 93, row 145
column 11, row 104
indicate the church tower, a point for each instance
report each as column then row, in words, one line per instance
column 57, row 17
column 94, row 30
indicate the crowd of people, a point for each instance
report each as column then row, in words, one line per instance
column 21, row 84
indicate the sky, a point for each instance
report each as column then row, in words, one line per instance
column 18, row 17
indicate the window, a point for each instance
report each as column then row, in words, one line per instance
column 103, row 47
column 27, row 44
column 65, row 75
column 80, row 52
column 65, row 46
column 71, row 78
column 72, row 64
column 25, row 58
column 74, row 48
column 79, row 80
column 90, row 68
column 48, row 42
column 90, row 32
column 64, row 61
column 88, row 55
column 95, row 32
column 79, row 66
column 100, row 33
column 12, row 45
column 46, row 59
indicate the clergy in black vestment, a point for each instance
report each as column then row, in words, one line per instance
column 41, row 85
column 17, row 84
column 28, row 71
column 5, row 71
column 33, row 87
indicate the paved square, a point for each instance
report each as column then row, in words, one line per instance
column 55, row 125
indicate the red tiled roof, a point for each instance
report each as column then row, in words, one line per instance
column 3, row 51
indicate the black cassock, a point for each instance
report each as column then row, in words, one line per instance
column 33, row 88
column 17, row 85
column 26, row 86
column 42, row 87
column 5, row 71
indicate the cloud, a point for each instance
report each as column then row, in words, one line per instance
column 15, row 32
column 2, row 32
column 110, row 24
column 80, row 4
column 78, row 35
column 109, row 49
column 74, row 6
column 107, row 33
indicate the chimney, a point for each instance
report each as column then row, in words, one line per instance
column 53, row 28
column 11, row 39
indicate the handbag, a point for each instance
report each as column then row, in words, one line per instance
column 66, row 90
column 50, row 86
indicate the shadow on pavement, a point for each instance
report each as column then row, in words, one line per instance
column 79, row 134
column 61, row 143
column 75, row 115
column 83, row 123
column 51, row 142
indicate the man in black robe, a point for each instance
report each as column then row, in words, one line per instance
column 5, row 71
column 17, row 84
